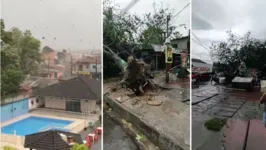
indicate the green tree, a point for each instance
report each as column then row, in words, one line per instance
column 128, row 33
column 119, row 35
column 28, row 49
column 19, row 57
column 235, row 49
column 155, row 27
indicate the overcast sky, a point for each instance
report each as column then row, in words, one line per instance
column 74, row 24
column 211, row 18
column 146, row 6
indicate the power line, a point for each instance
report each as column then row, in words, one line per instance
column 181, row 10
column 198, row 41
column 200, row 44
column 129, row 6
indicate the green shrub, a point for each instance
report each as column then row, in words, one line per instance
column 215, row 124
column 9, row 148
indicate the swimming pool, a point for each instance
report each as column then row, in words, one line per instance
column 33, row 125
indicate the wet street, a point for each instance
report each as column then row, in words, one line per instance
column 218, row 101
column 115, row 138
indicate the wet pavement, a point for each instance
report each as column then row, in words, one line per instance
column 210, row 101
column 177, row 88
column 115, row 138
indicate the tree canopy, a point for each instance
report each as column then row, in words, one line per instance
column 19, row 57
column 236, row 49
column 125, row 34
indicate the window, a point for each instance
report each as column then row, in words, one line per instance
column 73, row 105
column 94, row 66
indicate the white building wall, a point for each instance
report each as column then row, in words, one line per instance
column 88, row 105
column 92, row 67
column 182, row 44
column 55, row 102
column 34, row 104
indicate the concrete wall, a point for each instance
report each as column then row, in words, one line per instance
column 34, row 103
column 58, row 103
column 88, row 106
column 12, row 140
column 13, row 110
column 182, row 44
column 55, row 102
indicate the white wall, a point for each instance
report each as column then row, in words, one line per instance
column 89, row 105
column 99, row 67
column 182, row 44
column 55, row 102
column 35, row 104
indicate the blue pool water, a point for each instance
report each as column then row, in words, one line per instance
column 33, row 125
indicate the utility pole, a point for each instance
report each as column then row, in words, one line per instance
column 167, row 26
column 71, row 65
column 168, row 66
column 96, row 68
column 49, row 67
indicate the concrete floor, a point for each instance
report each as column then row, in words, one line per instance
column 172, row 118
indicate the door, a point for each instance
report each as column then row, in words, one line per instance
column 73, row 105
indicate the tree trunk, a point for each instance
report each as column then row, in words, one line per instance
column 137, row 74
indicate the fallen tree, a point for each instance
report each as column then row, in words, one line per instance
column 137, row 74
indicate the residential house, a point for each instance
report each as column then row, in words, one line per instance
column 63, row 57
column 156, row 54
column 77, row 94
column 88, row 65
column 181, row 44
column 51, row 71
column 48, row 55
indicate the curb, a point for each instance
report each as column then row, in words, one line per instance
column 163, row 142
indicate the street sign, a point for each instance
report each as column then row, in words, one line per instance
column 168, row 55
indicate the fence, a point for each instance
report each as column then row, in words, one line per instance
column 14, row 109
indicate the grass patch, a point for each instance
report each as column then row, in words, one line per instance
column 215, row 124
column 141, row 137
